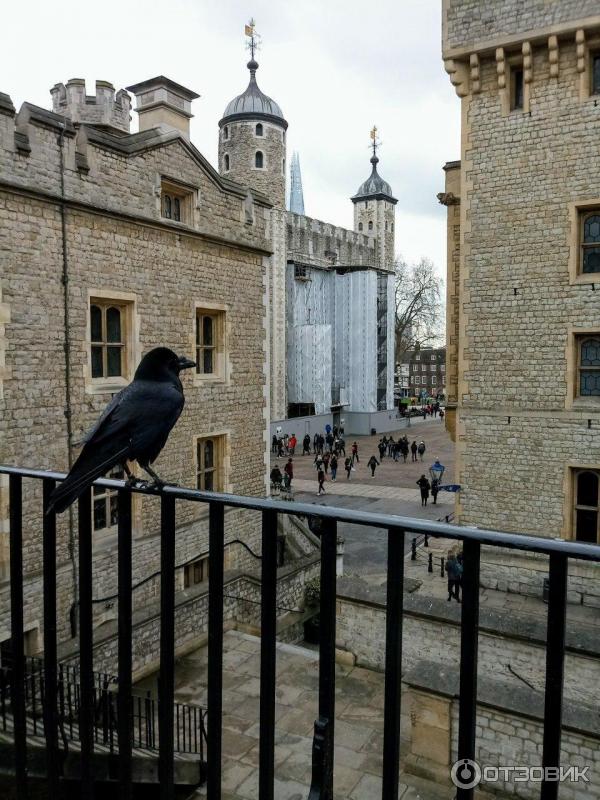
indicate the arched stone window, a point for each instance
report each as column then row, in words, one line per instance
column 226, row 163
column 259, row 159
column 587, row 506
column 283, row 166
column 360, row 226
column 589, row 366
column 590, row 242
column 259, row 129
column 370, row 225
column 226, row 132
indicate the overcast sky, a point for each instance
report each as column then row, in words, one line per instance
column 336, row 67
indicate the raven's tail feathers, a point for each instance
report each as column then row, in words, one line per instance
column 81, row 476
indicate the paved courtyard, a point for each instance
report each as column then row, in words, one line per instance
column 393, row 490
column 358, row 727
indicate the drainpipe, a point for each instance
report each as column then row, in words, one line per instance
column 67, row 351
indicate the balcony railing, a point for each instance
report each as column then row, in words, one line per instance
column 398, row 528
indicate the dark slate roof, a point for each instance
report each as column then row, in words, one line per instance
column 253, row 104
column 374, row 187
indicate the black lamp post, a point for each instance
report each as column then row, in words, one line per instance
column 436, row 471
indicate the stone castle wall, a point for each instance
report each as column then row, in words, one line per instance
column 117, row 243
column 471, row 23
column 518, row 430
column 308, row 240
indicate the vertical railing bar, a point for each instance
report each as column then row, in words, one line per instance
column 555, row 664
column 469, row 643
column 177, row 727
column 215, row 648
column 33, row 703
column 86, row 655
column 124, row 699
column 166, row 678
column 17, row 684
column 393, row 664
column 268, row 626
column 323, row 740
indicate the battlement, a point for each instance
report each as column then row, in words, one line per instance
column 324, row 245
column 104, row 109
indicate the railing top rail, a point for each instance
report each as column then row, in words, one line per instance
column 515, row 541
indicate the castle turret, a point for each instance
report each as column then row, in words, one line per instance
column 252, row 139
column 103, row 110
column 374, row 210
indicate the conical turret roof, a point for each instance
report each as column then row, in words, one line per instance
column 253, row 104
column 374, row 187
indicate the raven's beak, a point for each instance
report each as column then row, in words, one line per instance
column 185, row 363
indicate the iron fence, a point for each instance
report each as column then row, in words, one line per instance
column 398, row 528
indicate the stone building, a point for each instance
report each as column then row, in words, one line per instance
column 331, row 332
column 112, row 243
column 426, row 372
column 523, row 243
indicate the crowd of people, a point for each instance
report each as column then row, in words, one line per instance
column 329, row 451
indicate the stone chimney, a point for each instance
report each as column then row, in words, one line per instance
column 160, row 101
column 103, row 110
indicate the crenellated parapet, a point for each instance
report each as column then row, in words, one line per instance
column 321, row 244
column 521, row 60
column 104, row 109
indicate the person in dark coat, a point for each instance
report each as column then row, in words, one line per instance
column 348, row 466
column 454, row 572
column 424, row 486
column 306, row 445
column 321, row 479
column 289, row 471
column 372, row 463
column 413, row 450
column 435, row 488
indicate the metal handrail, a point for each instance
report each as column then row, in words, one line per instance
column 516, row 541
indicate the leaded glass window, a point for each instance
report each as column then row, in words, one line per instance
column 586, row 507
column 595, row 63
column 207, row 461
column 206, row 343
column 107, row 339
column 589, row 366
column 590, row 243
column 259, row 129
column 105, row 504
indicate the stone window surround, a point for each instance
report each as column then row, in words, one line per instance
column 571, row 470
column 264, row 162
column 132, row 350
column 187, row 196
column 223, row 458
column 586, row 47
column 573, row 400
column 576, row 212
column 222, row 373
column 226, row 162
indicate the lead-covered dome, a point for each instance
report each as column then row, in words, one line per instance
column 253, row 104
column 374, row 187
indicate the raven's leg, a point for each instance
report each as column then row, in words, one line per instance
column 157, row 481
column 131, row 478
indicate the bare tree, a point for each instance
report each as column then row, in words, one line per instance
column 419, row 306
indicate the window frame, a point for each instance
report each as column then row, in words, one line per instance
column 576, row 471
column 100, row 493
column 220, row 470
column 218, row 312
column 579, row 341
column 583, row 216
column 517, row 68
column 260, row 135
column 226, row 162
column 179, row 196
column 263, row 160
column 191, row 570
column 131, row 352
column 573, row 358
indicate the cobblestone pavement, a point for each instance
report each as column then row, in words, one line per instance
column 391, row 491
column 358, row 726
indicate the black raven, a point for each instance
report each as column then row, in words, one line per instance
column 135, row 426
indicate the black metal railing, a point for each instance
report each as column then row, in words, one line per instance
column 189, row 720
column 398, row 528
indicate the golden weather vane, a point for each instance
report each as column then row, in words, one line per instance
column 375, row 142
column 253, row 36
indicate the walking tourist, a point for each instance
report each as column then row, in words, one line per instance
column 333, row 465
column 289, row 471
column 321, row 480
column 435, row 488
column 421, row 449
column 454, row 572
column 306, row 445
column 413, row 450
column 372, row 463
column 424, row 485
column 348, row 467
column 355, row 453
